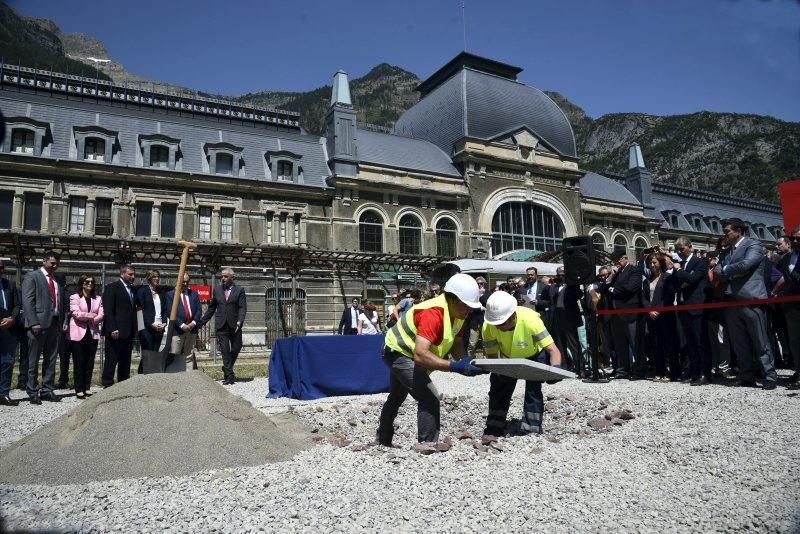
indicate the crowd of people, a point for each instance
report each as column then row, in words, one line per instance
column 47, row 321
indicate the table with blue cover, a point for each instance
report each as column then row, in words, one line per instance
column 313, row 367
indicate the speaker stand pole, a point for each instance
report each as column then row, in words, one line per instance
column 592, row 339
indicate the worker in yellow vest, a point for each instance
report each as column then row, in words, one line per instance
column 420, row 343
column 511, row 331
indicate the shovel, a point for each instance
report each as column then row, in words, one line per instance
column 164, row 361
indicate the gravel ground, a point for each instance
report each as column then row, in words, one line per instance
column 670, row 458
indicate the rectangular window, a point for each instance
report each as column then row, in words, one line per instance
column 33, row 212
column 22, row 141
column 169, row 216
column 205, row 223
column 296, row 229
column 159, row 156
column 270, row 221
column 102, row 217
column 6, row 209
column 77, row 214
column 285, row 171
column 226, row 224
column 144, row 218
column 224, row 164
column 283, row 228
column 95, row 149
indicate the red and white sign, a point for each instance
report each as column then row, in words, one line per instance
column 790, row 203
column 204, row 292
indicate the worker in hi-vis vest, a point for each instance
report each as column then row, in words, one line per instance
column 418, row 344
column 511, row 331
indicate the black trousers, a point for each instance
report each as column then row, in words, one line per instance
column 83, row 353
column 118, row 356
column 662, row 344
column 791, row 315
column 697, row 347
column 566, row 338
column 229, row 343
column 625, row 333
column 64, row 352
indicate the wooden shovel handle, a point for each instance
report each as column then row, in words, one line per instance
column 187, row 246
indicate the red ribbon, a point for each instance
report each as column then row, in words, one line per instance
column 707, row 306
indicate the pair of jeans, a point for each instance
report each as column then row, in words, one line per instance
column 501, row 388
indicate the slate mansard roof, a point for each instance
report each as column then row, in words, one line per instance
column 594, row 185
column 264, row 133
column 485, row 106
column 403, row 153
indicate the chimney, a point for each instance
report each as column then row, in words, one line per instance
column 340, row 129
column 638, row 179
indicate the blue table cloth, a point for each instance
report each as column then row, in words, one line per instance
column 313, row 367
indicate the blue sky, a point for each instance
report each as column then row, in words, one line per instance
column 653, row 56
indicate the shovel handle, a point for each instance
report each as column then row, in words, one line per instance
column 187, row 246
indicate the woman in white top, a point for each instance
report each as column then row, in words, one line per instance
column 368, row 320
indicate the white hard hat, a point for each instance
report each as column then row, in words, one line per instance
column 499, row 307
column 465, row 288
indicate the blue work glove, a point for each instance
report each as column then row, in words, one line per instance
column 557, row 380
column 464, row 366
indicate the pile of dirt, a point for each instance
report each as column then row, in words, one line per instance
column 152, row 426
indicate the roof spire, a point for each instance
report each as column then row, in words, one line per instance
column 341, row 89
column 635, row 158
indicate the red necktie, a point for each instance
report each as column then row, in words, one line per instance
column 52, row 290
column 187, row 314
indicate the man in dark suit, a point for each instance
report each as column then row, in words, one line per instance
column 534, row 292
column 348, row 324
column 45, row 314
column 624, row 287
column 119, row 326
column 789, row 266
column 566, row 318
column 9, row 315
column 691, row 278
column 740, row 270
column 229, row 303
column 187, row 322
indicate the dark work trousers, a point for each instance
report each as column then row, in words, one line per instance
column 748, row 329
column 8, row 346
column 624, row 332
column 118, row 356
column 83, row 353
column 22, row 339
column 697, row 347
column 500, row 391
column 45, row 343
column 790, row 333
column 566, row 339
column 64, row 353
column 408, row 378
column 229, row 343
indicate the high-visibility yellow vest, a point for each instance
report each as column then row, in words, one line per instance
column 402, row 336
column 528, row 337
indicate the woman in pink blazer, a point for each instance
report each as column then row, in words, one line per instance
column 86, row 314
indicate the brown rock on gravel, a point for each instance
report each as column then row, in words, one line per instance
column 152, row 426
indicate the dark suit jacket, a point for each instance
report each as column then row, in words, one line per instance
column 345, row 322
column 625, row 290
column 13, row 305
column 144, row 299
column 791, row 280
column 120, row 313
column 194, row 308
column 228, row 312
column 692, row 283
column 572, row 294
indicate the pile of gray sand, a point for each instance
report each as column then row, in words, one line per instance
column 152, row 426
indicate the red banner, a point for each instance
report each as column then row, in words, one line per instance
column 790, row 204
column 204, row 292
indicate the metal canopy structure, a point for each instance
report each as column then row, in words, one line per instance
column 23, row 247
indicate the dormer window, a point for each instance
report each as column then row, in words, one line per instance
column 94, row 149
column 224, row 158
column 22, row 141
column 94, row 143
column 285, row 166
column 698, row 224
column 160, row 151
column 24, row 135
column 673, row 220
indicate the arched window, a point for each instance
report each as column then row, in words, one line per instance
column 410, row 235
column 599, row 242
column 620, row 243
column 640, row 244
column 446, row 238
column 518, row 225
column 370, row 232
column 159, row 156
column 94, row 149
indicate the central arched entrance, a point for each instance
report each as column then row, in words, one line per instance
column 525, row 226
